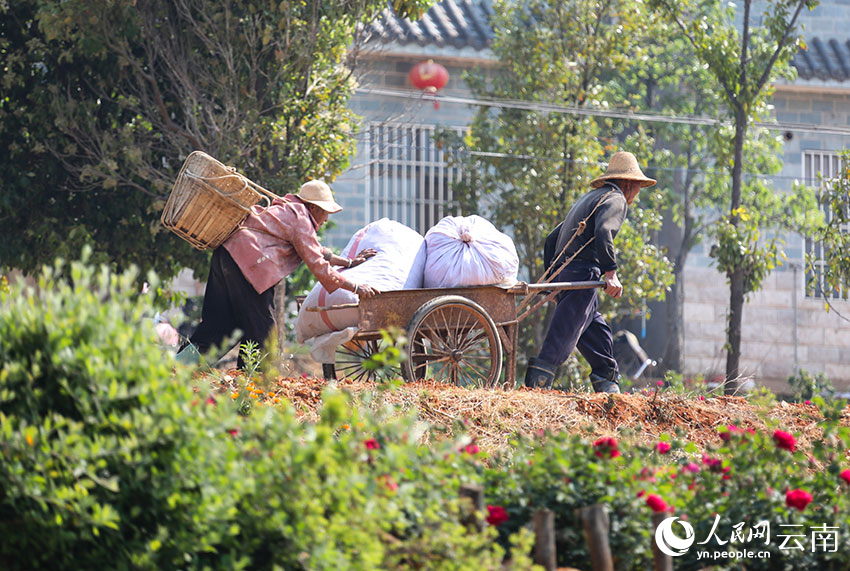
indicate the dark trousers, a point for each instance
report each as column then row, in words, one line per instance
column 230, row 303
column 577, row 323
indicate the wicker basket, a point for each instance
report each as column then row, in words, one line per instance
column 209, row 200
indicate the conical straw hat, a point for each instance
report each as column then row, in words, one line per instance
column 623, row 165
column 319, row 193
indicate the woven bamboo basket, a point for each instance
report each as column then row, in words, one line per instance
column 209, row 200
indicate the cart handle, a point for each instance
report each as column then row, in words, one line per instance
column 524, row 288
column 553, row 288
column 332, row 307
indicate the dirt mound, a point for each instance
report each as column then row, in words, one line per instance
column 492, row 416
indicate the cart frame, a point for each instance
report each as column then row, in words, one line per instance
column 456, row 327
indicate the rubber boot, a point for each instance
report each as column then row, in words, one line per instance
column 329, row 371
column 540, row 374
column 605, row 385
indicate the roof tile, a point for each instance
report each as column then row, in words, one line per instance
column 466, row 23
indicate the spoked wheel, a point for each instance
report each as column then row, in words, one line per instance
column 452, row 339
column 351, row 356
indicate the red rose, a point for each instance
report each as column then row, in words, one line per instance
column 798, row 499
column 606, row 448
column 663, row 447
column 371, row 444
column 656, row 503
column 845, row 475
column 784, row 440
column 496, row 515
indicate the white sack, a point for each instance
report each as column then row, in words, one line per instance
column 323, row 347
column 469, row 251
column 399, row 264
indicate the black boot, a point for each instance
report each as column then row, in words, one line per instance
column 605, row 384
column 539, row 374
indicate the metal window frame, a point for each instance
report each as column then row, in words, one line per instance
column 409, row 179
column 819, row 165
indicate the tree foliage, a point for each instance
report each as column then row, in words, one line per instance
column 743, row 63
column 529, row 166
column 104, row 99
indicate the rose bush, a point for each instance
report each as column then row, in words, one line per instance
column 110, row 459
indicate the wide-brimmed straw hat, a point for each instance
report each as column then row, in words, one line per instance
column 319, row 193
column 624, row 166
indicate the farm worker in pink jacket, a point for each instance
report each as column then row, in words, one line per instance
column 268, row 245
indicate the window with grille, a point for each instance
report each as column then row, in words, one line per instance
column 820, row 168
column 410, row 179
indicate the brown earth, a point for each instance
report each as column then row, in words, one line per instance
column 492, row 416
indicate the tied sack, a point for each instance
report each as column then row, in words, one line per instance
column 399, row 264
column 469, row 251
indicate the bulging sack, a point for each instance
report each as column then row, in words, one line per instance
column 469, row 251
column 399, row 264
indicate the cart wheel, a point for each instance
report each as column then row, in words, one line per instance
column 350, row 357
column 453, row 339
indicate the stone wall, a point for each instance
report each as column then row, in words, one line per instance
column 782, row 329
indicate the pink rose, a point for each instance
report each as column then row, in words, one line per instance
column 726, row 435
column 798, row 499
column 845, row 475
column 784, row 440
column 606, row 448
column 663, row 447
column 656, row 503
column 371, row 444
column 471, row 448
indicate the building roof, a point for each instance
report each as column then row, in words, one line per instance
column 826, row 59
column 456, row 23
column 466, row 23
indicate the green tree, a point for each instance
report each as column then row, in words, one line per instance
column 102, row 101
column 691, row 156
column 536, row 162
column 743, row 64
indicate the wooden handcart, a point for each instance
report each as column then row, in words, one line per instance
column 462, row 335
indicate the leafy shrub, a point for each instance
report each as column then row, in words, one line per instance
column 112, row 459
column 98, row 435
column 806, row 386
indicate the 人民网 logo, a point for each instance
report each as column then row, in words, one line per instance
column 670, row 543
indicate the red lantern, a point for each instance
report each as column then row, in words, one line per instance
column 430, row 77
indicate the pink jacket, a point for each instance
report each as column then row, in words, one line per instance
column 269, row 244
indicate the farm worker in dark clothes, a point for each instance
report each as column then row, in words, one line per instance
column 577, row 322
column 268, row 245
